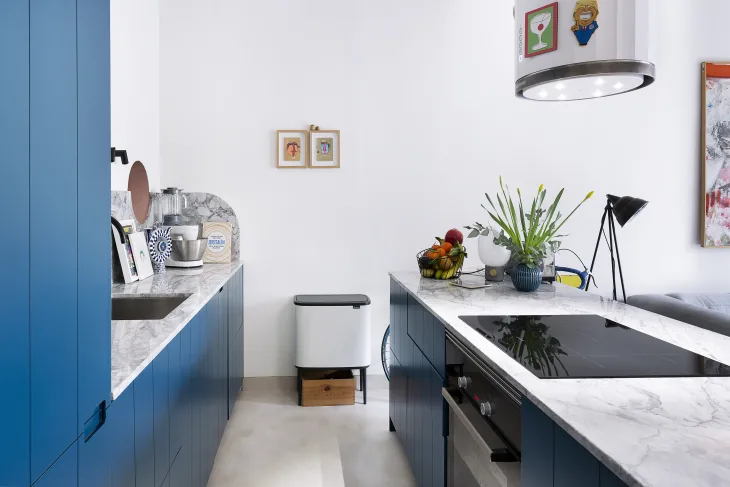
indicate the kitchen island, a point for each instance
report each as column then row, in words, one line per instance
column 656, row 432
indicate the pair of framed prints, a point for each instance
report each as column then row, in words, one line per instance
column 319, row 149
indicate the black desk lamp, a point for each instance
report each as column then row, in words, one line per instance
column 624, row 210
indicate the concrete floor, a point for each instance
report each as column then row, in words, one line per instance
column 272, row 442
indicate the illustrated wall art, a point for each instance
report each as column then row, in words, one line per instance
column 291, row 149
column 585, row 16
column 716, row 155
column 325, row 148
column 541, row 26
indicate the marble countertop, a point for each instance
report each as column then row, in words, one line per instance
column 136, row 343
column 657, row 432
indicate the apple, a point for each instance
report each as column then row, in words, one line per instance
column 453, row 236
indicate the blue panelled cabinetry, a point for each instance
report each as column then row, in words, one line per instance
column 15, row 292
column 552, row 458
column 53, row 211
column 161, row 376
column 59, row 426
column 63, row 472
column 94, row 271
column 418, row 370
column 121, row 419
column 144, row 427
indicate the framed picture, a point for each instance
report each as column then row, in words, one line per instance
column 291, row 148
column 715, row 155
column 324, row 147
column 541, row 26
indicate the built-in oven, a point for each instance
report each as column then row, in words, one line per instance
column 484, row 443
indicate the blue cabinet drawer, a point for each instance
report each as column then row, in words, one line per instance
column 428, row 333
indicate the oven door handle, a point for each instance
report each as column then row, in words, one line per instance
column 496, row 456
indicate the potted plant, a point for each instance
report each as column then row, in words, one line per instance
column 528, row 233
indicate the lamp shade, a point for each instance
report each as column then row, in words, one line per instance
column 581, row 49
column 626, row 208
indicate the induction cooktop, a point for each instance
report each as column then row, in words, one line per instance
column 589, row 346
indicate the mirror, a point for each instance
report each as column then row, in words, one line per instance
column 139, row 186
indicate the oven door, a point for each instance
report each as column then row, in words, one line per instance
column 474, row 450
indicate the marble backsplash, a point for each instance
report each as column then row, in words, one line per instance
column 202, row 207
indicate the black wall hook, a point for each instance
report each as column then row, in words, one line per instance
column 120, row 153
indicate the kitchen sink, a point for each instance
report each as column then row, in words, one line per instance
column 145, row 308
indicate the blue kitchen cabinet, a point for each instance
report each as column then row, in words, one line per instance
column 120, row 442
column 96, row 456
column 552, row 458
column 417, row 373
column 53, row 211
column 221, row 377
column 161, row 379
column 93, row 256
column 181, row 420
column 15, row 196
column 196, row 397
column 63, row 472
column 174, row 395
column 144, row 426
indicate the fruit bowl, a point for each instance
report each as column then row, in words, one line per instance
column 442, row 265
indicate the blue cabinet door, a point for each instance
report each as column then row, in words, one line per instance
column 221, row 381
column 15, row 195
column 63, row 472
column 161, row 374
column 94, row 173
column 121, row 423
column 181, row 470
column 144, row 426
column 53, row 212
column 196, row 404
column 175, row 395
column 96, row 455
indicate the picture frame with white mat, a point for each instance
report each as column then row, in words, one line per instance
column 324, row 149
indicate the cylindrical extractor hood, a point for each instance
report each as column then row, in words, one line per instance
column 581, row 49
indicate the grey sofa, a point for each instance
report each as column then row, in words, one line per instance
column 709, row 311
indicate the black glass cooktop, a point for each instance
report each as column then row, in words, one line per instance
column 589, row 346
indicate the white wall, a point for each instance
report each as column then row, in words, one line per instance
column 423, row 94
column 135, row 87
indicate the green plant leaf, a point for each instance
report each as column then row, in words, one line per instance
column 473, row 233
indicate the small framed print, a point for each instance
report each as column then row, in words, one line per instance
column 291, row 148
column 541, row 26
column 324, row 148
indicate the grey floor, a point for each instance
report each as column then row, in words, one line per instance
column 272, row 442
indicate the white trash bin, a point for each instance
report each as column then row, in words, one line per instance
column 333, row 332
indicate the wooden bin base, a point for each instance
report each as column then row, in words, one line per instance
column 327, row 388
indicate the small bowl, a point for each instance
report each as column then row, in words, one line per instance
column 188, row 250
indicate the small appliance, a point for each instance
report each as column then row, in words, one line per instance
column 187, row 248
column 173, row 202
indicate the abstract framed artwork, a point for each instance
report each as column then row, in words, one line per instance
column 291, row 148
column 715, row 155
column 541, row 26
column 324, row 147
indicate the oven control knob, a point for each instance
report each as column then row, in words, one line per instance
column 463, row 382
column 485, row 408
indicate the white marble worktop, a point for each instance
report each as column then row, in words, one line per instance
column 136, row 343
column 657, row 432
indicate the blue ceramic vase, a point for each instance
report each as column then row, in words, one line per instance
column 525, row 279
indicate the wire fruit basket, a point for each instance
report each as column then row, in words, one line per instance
column 434, row 263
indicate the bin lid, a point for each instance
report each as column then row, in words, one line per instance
column 331, row 300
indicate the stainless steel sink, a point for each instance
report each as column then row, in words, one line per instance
column 145, row 308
